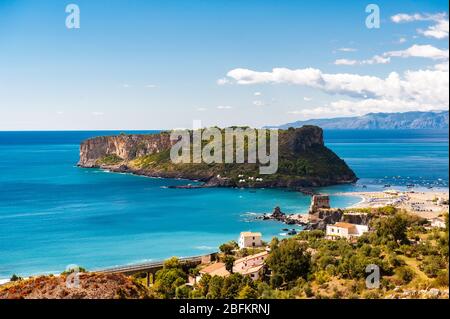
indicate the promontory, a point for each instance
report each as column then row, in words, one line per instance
column 303, row 161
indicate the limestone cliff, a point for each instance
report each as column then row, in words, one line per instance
column 123, row 147
column 304, row 161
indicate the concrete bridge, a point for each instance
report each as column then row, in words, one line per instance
column 151, row 268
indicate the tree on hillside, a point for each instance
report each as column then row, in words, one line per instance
column 228, row 248
column 232, row 285
column 248, row 292
column 170, row 278
column 289, row 260
column 215, row 288
column 392, row 228
column 229, row 263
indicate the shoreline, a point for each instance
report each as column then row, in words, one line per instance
column 426, row 203
column 365, row 202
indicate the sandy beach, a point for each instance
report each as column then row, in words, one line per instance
column 427, row 204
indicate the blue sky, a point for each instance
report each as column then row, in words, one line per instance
column 162, row 64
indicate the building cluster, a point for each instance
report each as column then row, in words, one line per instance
column 252, row 265
column 247, row 266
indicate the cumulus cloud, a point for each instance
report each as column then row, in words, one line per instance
column 438, row 30
column 412, row 90
column 442, row 66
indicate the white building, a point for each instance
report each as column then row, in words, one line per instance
column 346, row 230
column 249, row 240
column 437, row 222
column 251, row 265
column 247, row 266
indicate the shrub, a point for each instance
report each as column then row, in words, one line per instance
column 15, row 278
column 441, row 279
column 431, row 265
column 276, row 281
column 404, row 274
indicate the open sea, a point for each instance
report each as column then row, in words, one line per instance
column 53, row 214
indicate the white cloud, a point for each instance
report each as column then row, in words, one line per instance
column 257, row 94
column 347, row 49
column 201, row 109
column 345, row 62
column 439, row 30
column 401, row 40
column 418, row 51
column 259, row 103
column 307, row 99
column 421, row 51
column 223, row 81
column 224, row 107
column 98, row 113
column 442, row 66
column 412, row 90
column 125, row 85
column 374, row 60
column 151, row 86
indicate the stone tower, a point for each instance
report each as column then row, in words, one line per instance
column 319, row 202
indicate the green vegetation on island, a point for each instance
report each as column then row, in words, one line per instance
column 302, row 159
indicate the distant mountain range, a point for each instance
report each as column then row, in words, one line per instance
column 381, row 121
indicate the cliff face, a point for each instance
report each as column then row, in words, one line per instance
column 304, row 161
column 125, row 147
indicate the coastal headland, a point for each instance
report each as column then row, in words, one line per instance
column 304, row 161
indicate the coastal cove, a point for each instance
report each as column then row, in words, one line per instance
column 53, row 213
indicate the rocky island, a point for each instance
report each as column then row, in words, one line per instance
column 304, row 161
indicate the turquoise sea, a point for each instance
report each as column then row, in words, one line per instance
column 53, row 214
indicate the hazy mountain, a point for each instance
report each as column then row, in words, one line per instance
column 382, row 121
